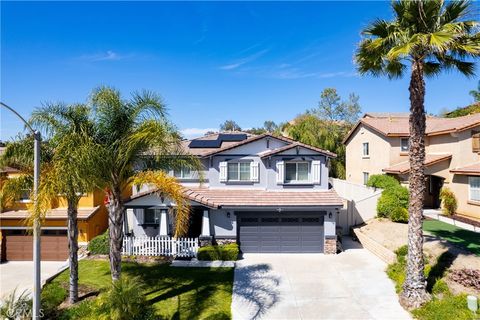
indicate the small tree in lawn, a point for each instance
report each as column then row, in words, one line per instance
column 429, row 37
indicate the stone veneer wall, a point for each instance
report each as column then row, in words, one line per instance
column 330, row 245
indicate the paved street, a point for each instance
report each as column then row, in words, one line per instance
column 19, row 274
column 351, row 285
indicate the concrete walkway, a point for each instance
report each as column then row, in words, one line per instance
column 351, row 285
column 437, row 214
column 19, row 274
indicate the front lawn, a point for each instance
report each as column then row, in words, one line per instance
column 467, row 239
column 175, row 293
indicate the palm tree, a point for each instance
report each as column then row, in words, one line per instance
column 430, row 36
column 131, row 136
column 69, row 172
column 476, row 93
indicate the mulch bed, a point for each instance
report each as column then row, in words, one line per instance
column 460, row 218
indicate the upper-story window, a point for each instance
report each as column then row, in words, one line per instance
column 474, row 188
column 182, row 173
column 404, row 144
column 366, row 149
column 297, row 171
column 238, row 171
column 475, row 141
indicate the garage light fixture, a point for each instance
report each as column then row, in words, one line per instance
column 330, row 215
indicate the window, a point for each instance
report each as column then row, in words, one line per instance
column 366, row 175
column 239, row 171
column 366, row 151
column 151, row 216
column 25, row 196
column 404, row 144
column 296, row 172
column 475, row 141
column 182, row 173
column 474, row 188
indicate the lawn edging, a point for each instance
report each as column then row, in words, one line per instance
column 203, row 264
column 374, row 247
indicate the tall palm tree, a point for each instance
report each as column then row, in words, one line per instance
column 476, row 93
column 134, row 135
column 430, row 37
column 70, row 173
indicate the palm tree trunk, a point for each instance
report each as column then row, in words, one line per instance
column 116, row 212
column 73, row 250
column 414, row 292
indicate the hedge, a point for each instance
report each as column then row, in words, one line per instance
column 392, row 199
column 382, row 181
column 99, row 244
column 226, row 252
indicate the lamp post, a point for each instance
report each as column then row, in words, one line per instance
column 37, row 285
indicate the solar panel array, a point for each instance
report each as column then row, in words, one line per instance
column 218, row 142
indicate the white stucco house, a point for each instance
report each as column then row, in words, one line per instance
column 267, row 193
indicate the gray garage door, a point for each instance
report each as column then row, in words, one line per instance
column 280, row 232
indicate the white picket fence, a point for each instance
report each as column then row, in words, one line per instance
column 160, row 246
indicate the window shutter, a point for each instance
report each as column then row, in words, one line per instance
column 223, row 171
column 140, row 216
column 476, row 141
column 254, row 171
column 316, row 165
column 280, row 172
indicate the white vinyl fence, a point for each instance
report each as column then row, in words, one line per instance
column 160, row 246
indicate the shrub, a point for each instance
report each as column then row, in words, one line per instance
column 382, row 181
column 226, row 252
column 399, row 215
column 449, row 201
column 16, row 306
column 124, row 300
column 447, row 308
column 392, row 198
column 440, row 288
column 99, row 244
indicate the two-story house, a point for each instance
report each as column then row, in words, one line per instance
column 268, row 193
column 379, row 143
column 16, row 241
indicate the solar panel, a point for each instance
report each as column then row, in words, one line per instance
column 198, row 143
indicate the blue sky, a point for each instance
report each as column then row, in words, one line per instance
column 211, row 61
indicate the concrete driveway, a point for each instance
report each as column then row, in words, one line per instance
column 19, row 274
column 351, row 285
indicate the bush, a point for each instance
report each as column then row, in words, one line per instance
column 382, row 181
column 124, row 300
column 399, row 215
column 226, row 252
column 447, row 308
column 99, row 244
column 449, row 201
column 391, row 199
column 16, row 306
column 440, row 288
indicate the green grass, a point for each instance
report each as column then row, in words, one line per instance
column 468, row 240
column 447, row 308
column 175, row 293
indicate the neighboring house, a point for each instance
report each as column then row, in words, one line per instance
column 379, row 144
column 15, row 235
column 268, row 193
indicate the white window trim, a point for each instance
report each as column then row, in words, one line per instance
column 363, row 150
column 182, row 174
column 309, row 179
column 470, row 189
column 238, row 171
column 401, row 144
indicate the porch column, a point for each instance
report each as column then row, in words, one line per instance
column 163, row 223
column 206, row 224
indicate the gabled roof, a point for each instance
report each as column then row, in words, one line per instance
column 470, row 170
column 298, row 144
column 404, row 167
column 399, row 126
column 216, row 198
column 52, row 214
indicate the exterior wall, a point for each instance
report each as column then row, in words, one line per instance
column 221, row 226
column 460, row 188
column 379, row 156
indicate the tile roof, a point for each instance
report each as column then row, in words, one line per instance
column 58, row 213
column 386, row 115
column 216, row 198
column 399, row 126
column 404, row 167
column 473, row 170
column 297, row 144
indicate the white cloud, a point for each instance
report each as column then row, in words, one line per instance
column 244, row 60
column 196, row 132
column 104, row 56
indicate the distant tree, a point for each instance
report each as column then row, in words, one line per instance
column 465, row 111
column 331, row 107
column 270, row 126
column 230, row 125
column 476, row 93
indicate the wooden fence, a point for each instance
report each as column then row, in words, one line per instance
column 160, row 246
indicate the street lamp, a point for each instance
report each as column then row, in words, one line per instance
column 37, row 285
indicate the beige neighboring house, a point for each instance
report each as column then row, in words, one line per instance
column 379, row 144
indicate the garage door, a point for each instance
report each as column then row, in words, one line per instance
column 19, row 246
column 280, row 232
